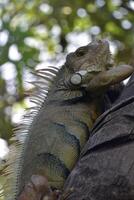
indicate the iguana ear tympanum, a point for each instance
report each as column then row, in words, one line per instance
column 58, row 127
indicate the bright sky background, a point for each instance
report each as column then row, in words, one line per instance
column 3, row 148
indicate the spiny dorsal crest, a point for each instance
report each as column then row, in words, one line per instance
column 42, row 85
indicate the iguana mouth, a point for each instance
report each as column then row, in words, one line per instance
column 90, row 68
column 103, row 48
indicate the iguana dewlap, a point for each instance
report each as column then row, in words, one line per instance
column 61, row 125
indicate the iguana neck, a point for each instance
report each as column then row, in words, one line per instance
column 61, row 94
column 60, row 90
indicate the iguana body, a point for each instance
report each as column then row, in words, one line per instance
column 63, row 122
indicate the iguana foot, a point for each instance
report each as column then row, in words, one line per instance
column 38, row 188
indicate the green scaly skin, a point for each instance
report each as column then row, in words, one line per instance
column 62, row 125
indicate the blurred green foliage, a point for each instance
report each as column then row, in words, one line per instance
column 34, row 26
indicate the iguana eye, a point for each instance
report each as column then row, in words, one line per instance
column 80, row 52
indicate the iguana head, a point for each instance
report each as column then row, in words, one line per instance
column 93, row 57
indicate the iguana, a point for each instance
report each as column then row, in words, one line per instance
column 60, row 124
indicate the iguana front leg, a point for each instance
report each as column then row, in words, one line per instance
column 95, row 80
column 110, row 77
